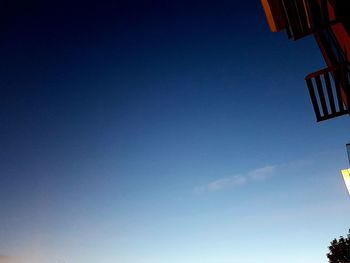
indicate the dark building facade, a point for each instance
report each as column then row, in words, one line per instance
column 329, row 22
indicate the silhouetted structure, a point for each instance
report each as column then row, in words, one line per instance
column 329, row 22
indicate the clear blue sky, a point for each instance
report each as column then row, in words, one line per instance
column 163, row 132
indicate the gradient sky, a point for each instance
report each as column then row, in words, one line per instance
column 162, row 132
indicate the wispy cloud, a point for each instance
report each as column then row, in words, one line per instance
column 262, row 173
column 259, row 174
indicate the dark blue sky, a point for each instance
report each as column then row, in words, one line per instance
column 129, row 126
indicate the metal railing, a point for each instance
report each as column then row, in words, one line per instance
column 329, row 91
column 305, row 17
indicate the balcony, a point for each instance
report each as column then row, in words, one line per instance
column 304, row 17
column 329, row 91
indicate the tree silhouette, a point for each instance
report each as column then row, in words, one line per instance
column 339, row 250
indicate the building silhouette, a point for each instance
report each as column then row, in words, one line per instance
column 329, row 22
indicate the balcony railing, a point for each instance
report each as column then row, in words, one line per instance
column 329, row 91
column 305, row 17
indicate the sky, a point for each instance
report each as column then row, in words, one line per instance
column 162, row 131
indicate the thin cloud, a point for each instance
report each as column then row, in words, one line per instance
column 259, row 174
column 262, row 173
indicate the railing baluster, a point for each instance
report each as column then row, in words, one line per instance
column 313, row 99
column 329, row 92
column 345, row 85
column 336, row 78
column 321, row 95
